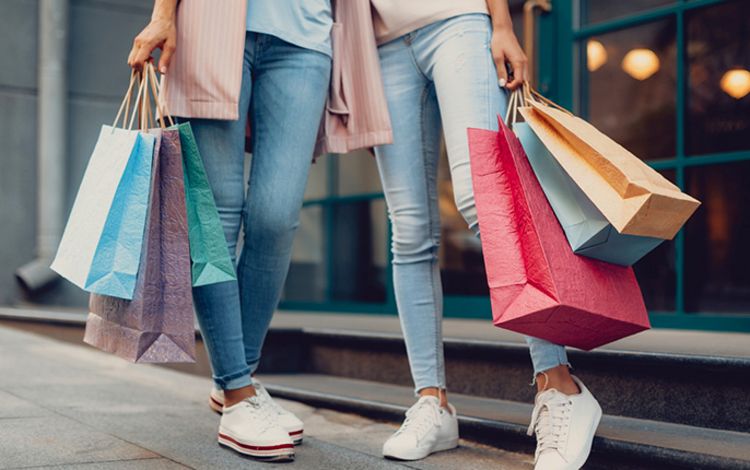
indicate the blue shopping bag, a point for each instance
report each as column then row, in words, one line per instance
column 117, row 257
column 587, row 230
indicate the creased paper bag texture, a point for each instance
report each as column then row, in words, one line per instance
column 634, row 197
column 158, row 324
column 538, row 286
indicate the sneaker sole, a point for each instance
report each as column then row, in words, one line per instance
column 276, row 453
column 419, row 454
column 218, row 407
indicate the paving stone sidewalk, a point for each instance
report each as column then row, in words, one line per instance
column 69, row 406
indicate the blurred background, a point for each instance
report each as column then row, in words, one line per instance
column 670, row 80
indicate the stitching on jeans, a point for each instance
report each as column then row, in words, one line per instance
column 428, row 165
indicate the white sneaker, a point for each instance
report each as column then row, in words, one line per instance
column 565, row 426
column 293, row 425
column 428, row 428
column 250, row 429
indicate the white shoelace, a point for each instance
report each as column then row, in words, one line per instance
column 550, row 420
column 262, row 413
column 421, row 417
column 269, row 403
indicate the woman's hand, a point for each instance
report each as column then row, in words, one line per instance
column 160, row 33
column 506, row 50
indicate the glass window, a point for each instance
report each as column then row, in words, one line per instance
column 306, row 280
column 631, row 81
column 656, row 272
column 595, row 11
column 717, row 252
column 461, row 262
column 358, row 264
column 317, row 183
column 718, row 57
column 357, row 174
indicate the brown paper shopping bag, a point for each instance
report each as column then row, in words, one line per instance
column 634, row 197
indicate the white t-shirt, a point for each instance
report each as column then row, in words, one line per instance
column 394, row 18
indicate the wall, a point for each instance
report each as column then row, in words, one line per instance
column 101, row 33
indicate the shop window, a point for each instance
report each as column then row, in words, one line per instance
column 628, row 87
column 717, row 278
column 596, row 11
column 718, row 58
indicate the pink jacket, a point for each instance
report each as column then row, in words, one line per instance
column 206, row 72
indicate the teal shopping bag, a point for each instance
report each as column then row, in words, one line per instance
column 587, row 230
column 209, row 253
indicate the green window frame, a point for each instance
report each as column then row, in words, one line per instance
column 560, row 64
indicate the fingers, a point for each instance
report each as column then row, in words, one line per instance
column 519, row 73
column 166, row 56
column 502, row 72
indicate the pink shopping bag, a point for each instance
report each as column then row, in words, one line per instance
column 538, row 286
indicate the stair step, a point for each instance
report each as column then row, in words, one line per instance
column 621, row 442
column 695, row 390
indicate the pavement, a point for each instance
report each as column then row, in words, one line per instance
column 69, row 406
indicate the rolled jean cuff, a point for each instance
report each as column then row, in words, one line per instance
column 418, row 388
column 546, row 356
column 234, row 381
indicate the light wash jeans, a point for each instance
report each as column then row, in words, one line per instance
column 444, row 74
column 284, row 87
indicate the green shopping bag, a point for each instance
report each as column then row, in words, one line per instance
column 209, row 253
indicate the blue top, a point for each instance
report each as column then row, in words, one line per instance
column 304, row 23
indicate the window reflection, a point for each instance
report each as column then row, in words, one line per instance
column 631, row 76
column 461, row 262
column 717, row 251
column 719, row 78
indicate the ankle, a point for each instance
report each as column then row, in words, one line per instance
column 440, row 394
column 558, row 378
column 232, row 397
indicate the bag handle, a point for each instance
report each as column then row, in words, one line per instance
column 125, row 105
column 158, row 90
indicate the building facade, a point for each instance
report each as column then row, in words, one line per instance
column 668, row 79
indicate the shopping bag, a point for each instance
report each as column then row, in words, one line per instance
column 101, row 245
column 209, row 252
column 589, row 233
column 538, row 286
column 158, row 324
column 631, row 195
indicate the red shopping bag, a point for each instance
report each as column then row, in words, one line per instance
column 538, row 286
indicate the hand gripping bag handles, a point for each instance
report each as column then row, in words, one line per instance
column 158, row 324
column 538, row 286
column 101, row 246
column 633, row 197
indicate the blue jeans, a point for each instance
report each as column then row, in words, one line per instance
column 441, row 74
column 284, row 87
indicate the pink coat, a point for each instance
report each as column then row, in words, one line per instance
column 205, row 74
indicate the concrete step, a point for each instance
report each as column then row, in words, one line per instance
column 695, row 390
column 621, row 443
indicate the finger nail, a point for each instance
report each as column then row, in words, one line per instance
column 501, row 82
column 162, row 69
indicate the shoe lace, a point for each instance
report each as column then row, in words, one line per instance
column 255, row 406
column 267, row 400
column 550, row 421
column 421, row 417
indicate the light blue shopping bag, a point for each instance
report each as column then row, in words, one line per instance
column 117, row 257
column 587, row 230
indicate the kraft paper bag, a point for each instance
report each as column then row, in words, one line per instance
column 101, row 246
column 208, row 245
column 158, row 324
column 538, row 286
column 634, row 197
column 589, row 233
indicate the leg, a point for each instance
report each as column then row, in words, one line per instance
column 221, row 144
column 408, row 172
column 290, row 89
column 551, row 366
column 456, row 55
